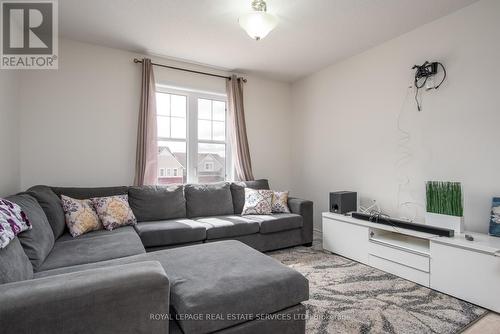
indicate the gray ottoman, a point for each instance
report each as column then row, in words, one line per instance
column 219, row 285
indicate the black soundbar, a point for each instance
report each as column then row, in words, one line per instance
column 443, row 232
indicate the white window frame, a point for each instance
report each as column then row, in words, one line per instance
column 192, row 130
column 164, row 172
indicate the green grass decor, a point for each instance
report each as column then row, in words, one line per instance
column 444, row 198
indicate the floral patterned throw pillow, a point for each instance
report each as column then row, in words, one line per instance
column 80, row 216
column 257, row 202
column 280, row 202
column 6, row 234
column 114, row 211
column 12, row 221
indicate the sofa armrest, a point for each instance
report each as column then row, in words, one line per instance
column 116, row 299
column 305, row 209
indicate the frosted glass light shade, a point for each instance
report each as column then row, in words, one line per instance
column 258, row 24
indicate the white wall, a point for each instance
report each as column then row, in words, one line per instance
column 79, row 122
column 9, row 125
column 267, row 114
column 345, row 118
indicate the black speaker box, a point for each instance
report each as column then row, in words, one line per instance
column 343, row 201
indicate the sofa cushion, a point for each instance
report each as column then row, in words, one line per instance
column 87, row 193
column 14, row 264
column 277, row 222
column 51, row 205
column 219, row 278
column 204, row 200
column 228, row 226
column 94, row 234
column 238, row 192
column 170, row 232
column 88, row 250
column 151, row 203
column 37, row 242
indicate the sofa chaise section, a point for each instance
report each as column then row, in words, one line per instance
column 111, row 299
column 100, row 247
column 220, row 281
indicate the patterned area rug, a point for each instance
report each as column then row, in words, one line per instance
column 349, row 297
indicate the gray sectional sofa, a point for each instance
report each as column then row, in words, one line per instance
column 191, row 265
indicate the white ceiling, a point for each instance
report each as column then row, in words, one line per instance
column 311, row 34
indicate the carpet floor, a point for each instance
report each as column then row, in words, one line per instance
column 349, row 297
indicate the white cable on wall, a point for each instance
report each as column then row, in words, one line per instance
column 405, row 156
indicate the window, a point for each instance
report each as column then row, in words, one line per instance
column 192, row 141
column 209, row 166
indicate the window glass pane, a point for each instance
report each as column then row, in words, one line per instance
column 219, row 130
column 219, row 111
column 173, row 128
column 204, row 109
column 178, row 127
column 162, row 104
column 178, row 105
column 172, row 156
column 163, row 123
column 211, row 162
column 204, row 130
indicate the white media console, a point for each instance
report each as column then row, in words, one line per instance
column 469, row 270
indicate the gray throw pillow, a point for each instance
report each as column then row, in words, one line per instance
column 238, row 191
column 39, row 241
column 51, row 205
column 150, row 203
column 87, row 193
column 208, row 199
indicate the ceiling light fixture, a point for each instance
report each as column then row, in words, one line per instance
column 259, row 22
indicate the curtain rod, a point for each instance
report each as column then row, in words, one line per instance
column 186, row 70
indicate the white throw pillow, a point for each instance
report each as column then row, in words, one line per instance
column 13, row 221
column 257, row 202
column 80, row 215
column 280, row 202
column 114, row 211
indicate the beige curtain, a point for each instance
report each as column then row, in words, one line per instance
column 146, row 164
column 238, row 132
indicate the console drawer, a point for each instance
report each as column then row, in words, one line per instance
column 466, row 274
column 404, row 257
column 400, row 270
column 348, row 240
